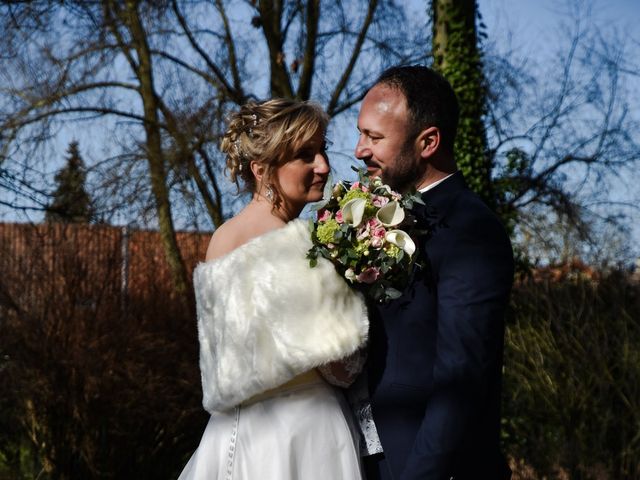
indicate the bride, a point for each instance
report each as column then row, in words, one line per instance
column 271, row 329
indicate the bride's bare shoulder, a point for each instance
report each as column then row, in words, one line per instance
column 224, row 239
column 238, row 230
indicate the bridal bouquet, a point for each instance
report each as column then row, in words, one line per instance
column 364, row 230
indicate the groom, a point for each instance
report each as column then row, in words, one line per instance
column 435, row 354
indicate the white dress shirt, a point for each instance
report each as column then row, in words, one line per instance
column 432, row 185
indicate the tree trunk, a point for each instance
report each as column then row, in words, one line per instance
column 458, row 58
column 308, row 63
column 270, row 17
column 155, row 156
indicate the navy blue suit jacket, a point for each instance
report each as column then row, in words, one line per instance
column 435, row 355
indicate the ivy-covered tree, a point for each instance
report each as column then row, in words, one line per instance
column 457, row 56
column 71, row 202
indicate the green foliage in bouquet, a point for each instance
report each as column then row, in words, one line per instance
column 364, row 229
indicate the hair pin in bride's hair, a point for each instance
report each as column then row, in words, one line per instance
column 254, row 122
column 236, row 145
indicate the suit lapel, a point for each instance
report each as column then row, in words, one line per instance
column 438, row 201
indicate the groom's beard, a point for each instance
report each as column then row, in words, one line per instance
column 405, row 170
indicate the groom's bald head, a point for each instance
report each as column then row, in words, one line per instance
column 431, row 101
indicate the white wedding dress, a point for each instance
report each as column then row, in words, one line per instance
column 301, row 432
column 266, row 320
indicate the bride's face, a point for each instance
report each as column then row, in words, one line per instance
column 302, row 179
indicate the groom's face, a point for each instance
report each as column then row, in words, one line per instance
column 384, row 123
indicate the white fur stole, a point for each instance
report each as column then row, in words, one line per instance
column 265, row 316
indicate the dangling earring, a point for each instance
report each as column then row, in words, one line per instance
column 269, row 193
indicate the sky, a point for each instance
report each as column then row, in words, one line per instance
column 534, row 27
column 536, row 22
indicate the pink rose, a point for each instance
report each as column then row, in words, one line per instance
column 377, row 235
column 324, row 215
column 339, row 218
column 379, row 232
column 377, row 242
column 363, row 232
column 379, row 201
column 369, row 275
column 374, row 223
column 359, row 186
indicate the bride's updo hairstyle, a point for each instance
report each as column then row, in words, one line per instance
column 268, row 132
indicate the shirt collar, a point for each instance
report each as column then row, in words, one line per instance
column 432, row 185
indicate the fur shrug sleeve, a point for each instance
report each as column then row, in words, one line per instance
column 265, row 316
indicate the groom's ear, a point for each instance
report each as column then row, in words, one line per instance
column 428, row 141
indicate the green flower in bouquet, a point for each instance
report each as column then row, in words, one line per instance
column 327, row 230
column 364, row 230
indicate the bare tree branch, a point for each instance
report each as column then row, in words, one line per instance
column 231, row 49
column 234, row 94
column 332, row 108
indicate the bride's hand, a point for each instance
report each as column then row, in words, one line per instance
column 344, row 372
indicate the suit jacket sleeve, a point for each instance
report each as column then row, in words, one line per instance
column 473, row 281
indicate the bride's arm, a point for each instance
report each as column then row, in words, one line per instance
column 343, row 373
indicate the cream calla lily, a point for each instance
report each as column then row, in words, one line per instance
column 353, row 211
column 401, row 240
column 391, row 214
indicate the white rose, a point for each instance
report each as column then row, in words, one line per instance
column 350, row 275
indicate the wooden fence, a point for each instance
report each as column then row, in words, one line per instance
column 90, row 265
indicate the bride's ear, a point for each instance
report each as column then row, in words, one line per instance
column 258, row 171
